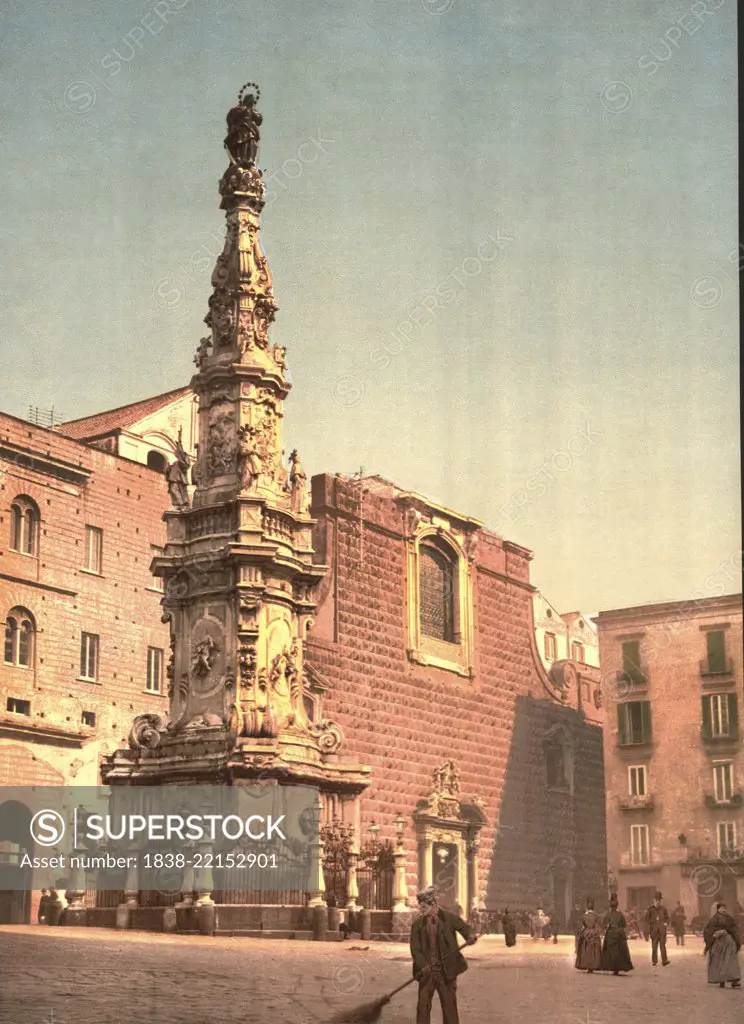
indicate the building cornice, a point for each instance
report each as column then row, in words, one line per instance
column 40, row 462
column 671, row 609
column 38, row 585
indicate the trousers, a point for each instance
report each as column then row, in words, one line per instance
column 658, row 941
column 447, row 990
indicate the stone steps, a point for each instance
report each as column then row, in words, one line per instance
column 275, row 933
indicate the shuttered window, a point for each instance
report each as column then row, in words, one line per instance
column 634, row 722
column 720, row 716
column 436, row 594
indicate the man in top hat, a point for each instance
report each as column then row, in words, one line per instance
column 436, row 958
column 657, row 919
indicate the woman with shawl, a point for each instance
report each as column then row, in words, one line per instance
column 589, row 945
column 615, row 952
column 722, row 944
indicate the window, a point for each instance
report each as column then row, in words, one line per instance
column 716, row 641
column 20, row 630
column 637, row 780
column 156, row 582
column 726, row 838
column 550, row 647
column 632, row 661
column 634, row 722
column 555, row 764
column 577, row 652
column 639, row 845
column 89, row 718
column 89, row 656
column 154, row 669
column 309, row 705
column 723, row 781
column 720, row 716
column 93, row 548
column 19, row 707
column 155, row 460
column 24, row 526
column 436, row 594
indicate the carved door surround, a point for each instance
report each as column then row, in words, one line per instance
column 447, row 831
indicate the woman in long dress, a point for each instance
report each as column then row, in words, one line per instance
column 510, row 929
column 589, row 945
column 615, row 952
column 722, row 944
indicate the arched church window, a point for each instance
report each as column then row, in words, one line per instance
column 437, row 599
column 157, row 461
column 24, row 526
column 20, row 631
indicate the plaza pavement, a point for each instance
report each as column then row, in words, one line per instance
column 96, row 976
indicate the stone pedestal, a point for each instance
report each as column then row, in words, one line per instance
column 334, row 919
column 206, row 917
column 320, row 922
column 365, row 924
column 170, row 923
column 123, row 914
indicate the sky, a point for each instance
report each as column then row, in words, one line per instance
column 503, row 240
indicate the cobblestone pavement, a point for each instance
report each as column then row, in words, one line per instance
column 66, row 976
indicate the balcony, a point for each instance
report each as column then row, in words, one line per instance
column 721, row 805
column 716, row 668
column 636, row 803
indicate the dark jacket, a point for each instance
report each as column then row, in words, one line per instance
column 448, row 926
column 657, row 919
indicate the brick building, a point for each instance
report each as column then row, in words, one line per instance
column 673, row 754
column 424, row 643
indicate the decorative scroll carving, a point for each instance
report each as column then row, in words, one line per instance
column 328, row 735
column 279, row 352
column 146, row 732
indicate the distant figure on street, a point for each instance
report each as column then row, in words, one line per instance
column 722, row 945
column 615, row 952
column 43, row 907
column 436, row 959
column 553, row 925
column 510, row 929
column 589, row 944
column 679, row 917
column 657, row 919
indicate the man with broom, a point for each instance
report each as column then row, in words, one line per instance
column 437, row 959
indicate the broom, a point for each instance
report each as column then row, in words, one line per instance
column 369, row 1013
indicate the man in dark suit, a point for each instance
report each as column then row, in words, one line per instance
column 434, row 939
column 657, row 919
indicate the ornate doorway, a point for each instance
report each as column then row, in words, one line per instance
column 447, row 829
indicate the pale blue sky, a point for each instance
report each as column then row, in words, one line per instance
column 611, row 301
